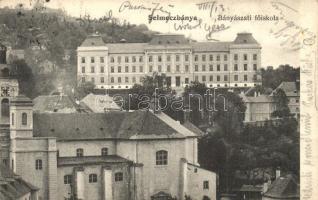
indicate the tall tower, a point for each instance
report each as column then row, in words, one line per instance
column 33, row 158
column 21, row 117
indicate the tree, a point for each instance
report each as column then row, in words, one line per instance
column 271, row 78
column 84, row 89
column 25, row 77
column 281, row 100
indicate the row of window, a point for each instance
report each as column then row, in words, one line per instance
column 24, row 119
column 112, row 79
column 168, row 68
column 203, row 78
column 101, row 60
column 80, row 152
column 92, row 178
column 161, row 156
column 168, row 58
column 225, row 67
column 112, row 69
column 225, row 78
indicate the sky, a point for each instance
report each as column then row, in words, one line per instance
column 280, row 39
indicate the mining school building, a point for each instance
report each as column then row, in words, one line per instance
column 217, row 64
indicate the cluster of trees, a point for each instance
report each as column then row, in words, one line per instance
column 229, row 145
column 271, row 78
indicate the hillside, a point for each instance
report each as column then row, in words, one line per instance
column 50, row 37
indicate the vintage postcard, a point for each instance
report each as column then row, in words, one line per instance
column 158, row 100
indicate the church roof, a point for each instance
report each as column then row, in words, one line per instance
column 139, row 124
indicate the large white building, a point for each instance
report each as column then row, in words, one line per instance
column 217, row 64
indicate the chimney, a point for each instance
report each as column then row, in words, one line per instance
column 186, row 114
column 154, row 105
column 255, row 94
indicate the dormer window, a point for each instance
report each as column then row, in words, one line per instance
column 24, row 119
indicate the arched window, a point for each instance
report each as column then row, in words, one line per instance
column 162, row 157
column 119, row 176
column 79, row 152
column 5, row 107
column 24, row 119
column 38, row 164
column 104, row 151
column 68, row 179
column 92, row 178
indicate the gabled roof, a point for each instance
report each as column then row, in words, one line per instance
column 193, row 128
column 99, row 103
column 54, row 103
column 291, row 89
column 283, row 188
column 12, row 186
column 139, row 124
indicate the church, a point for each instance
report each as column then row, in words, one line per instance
column 115, row 155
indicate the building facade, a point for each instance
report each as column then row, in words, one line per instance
column 116, row 155
column 217, row 64
column 259, row 108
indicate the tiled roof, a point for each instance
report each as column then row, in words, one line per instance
column 291, row 89
column 283, row 188
column 251, row 188
column 211, row 46
column 258, row 99
column 87, row 160
column 12, row 186
column 98, row 103
column 126, row 47
column 54, row 103
column 169, row 39
column 245, row 38
column 193, row 128
column 93, row 41
column 139, row 124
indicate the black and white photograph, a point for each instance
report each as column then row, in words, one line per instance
column 158, row 100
